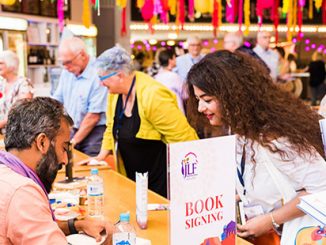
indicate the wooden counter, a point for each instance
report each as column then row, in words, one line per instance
column 120, row 196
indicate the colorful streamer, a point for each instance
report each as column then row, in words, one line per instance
column 318, row 4
column 311, row 10
column 324, row 12
column 215, row 18
column 191, row 10
column 60, row 12
column 86, row 17
column 276, row 18
column 231, row 11
column 181, row 13
column 246, row 7
column 172, row 6
column 140, row 3
column 240, row 15
column 123, row 30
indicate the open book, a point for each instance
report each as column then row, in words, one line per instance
column 315, row 206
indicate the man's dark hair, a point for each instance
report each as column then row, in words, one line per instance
column 165, row 56
column 30, row 117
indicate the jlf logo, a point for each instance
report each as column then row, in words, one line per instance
column 189, row 165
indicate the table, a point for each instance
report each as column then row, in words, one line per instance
column 120, row 196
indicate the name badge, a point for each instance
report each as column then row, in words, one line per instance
column 253, row 211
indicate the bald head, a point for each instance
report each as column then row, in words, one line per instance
column 73, row 55
column 232, row 41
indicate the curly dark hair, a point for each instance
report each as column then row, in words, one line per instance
column 251, row 104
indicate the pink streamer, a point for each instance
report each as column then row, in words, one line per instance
column 191, row 9
column 148, row 10
column 60, row 13
column 158, row 9
column 240, row 15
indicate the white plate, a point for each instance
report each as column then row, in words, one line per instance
column 83, row 239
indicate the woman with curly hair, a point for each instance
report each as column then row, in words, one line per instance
column 279, row 144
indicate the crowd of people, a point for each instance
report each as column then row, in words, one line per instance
column 106, row 105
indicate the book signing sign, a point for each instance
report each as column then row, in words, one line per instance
column 202, row 191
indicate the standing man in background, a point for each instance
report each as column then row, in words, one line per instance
column 83, row 97
column 269, row 56
column 186, row 61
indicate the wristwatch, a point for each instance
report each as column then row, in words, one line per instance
column 275, row 225
column 71, row 226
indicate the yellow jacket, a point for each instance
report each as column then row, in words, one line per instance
column 160, row 117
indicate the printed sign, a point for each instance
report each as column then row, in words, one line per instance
column 202, row 191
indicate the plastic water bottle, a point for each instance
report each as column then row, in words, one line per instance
column 124, row 233
column 95, row 195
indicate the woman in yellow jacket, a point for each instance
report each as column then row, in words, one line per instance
column 142, row 116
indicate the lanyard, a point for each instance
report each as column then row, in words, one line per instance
column 120, row 113
column 241, row 173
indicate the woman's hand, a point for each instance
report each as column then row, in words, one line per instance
column 255, row 227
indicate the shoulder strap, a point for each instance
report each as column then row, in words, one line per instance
column 284, row 187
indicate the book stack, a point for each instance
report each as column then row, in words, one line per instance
column 315, row 206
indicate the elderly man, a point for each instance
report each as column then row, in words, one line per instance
column 82, row 95
column 268, row 55
column 186, row 61
column 36, row 141
column 233, row 41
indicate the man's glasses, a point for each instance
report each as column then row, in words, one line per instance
column 69, row 62
column 102, row 78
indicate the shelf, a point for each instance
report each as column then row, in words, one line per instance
column 40, row 66
column 43, row 44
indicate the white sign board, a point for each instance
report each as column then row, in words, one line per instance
column 202, row 191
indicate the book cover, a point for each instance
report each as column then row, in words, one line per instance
column 314, row 205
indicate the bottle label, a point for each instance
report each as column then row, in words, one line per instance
column 95, row 189
column 124, row 238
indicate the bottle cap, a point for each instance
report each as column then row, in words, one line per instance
column 125, row 217
column 94, row 171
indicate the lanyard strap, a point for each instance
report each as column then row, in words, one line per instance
column 242, row 165
column 120, row 113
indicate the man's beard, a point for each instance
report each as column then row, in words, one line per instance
column 47, row 168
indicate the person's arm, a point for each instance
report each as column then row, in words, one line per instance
column 263, row 223
column 163, row 113
column 29, row 220
column 89, row 226
column 86, row 126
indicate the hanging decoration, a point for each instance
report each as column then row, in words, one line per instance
column 191, row 10
column 86, row 17
column 240, row 15
column 276, row 18
column 310, row 11
column 147, row 12
column 324, row 12
column 60, row 13
column 286, row 4
column 215, row 17
column 204, row 6
column 181, row 13
column 318, row 4
column 172, row 6
column 301, row 4
column 246, row 7
column 7, row 2
column 231, row 11
column 140, row 3
column 123, row 5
